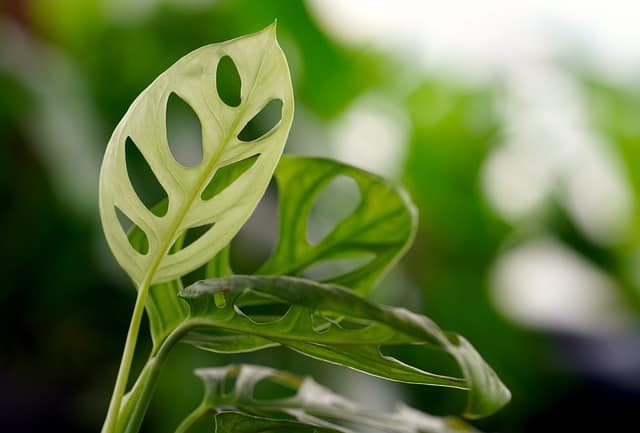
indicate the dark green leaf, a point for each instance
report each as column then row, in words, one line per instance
column 333, row 324
column 383, row 224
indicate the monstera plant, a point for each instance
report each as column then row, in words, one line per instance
column 203, row 207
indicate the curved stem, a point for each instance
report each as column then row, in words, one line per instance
column 125, row 363
column 137, row 400
column 194, row 417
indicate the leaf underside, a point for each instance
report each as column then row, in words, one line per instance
column 264, row 77
column 230, row 396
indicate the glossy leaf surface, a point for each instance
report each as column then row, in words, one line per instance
column 333, row 324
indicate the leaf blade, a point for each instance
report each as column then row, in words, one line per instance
column 353, row 348
column 383, row 224
column 265, row 75
column 312, row 404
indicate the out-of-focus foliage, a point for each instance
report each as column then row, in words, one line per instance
column 67, row 70
column 240, row 388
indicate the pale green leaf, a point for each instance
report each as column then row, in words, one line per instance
column 233, row 388
column 264, row 77
column 331, row 323
column 236, row 422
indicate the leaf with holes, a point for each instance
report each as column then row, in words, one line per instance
column 333, row 324
column 236, row 422
column 262, row 395
column 381, row 227
column 195, row 198
column 165, row 310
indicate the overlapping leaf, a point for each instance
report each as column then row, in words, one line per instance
column 333, row 324
column 382, row 225
column 236, row 422
column 264, row 77
column 238, row 314
column 230, row 394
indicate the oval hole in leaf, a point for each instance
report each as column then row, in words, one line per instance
column 268, row 389
column 226, row 175
column 335, row 202
column 144, row 182
column 260, row 309
column 193, row 276
column 183, row 132
column 192, row 235
column 137, row 238
column 334, row 268
column 263, row 122
column 228, row 384
column 228, row 82
column 255, row 241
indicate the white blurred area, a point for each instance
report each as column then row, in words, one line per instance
column 546, row 285
column 547, row 148
column 371, row 135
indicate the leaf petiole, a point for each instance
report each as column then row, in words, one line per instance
column 194, row 417
column 125, row 363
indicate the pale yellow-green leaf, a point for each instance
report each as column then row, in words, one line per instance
column 264, row 76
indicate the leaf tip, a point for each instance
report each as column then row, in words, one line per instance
column 481, row 409
column 487, row 393
column 272, row 28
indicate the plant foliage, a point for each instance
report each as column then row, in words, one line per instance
column 204, row 207
column 231, row 398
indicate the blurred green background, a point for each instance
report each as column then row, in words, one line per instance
column 517, row 138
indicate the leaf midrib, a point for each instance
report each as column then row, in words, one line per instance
column 173, row 228
column 194, row 323
column 316, row 252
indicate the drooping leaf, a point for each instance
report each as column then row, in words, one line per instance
column 382, row 225
column 264, row 77
column 233, row 388
column 333, row 324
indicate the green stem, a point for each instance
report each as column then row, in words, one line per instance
column 125, row 363
column 194, row 417
column 138, row 399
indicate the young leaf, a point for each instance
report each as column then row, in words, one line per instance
column 331, row 323
column 311, row 404
column 264, row 77
column 383, row 224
